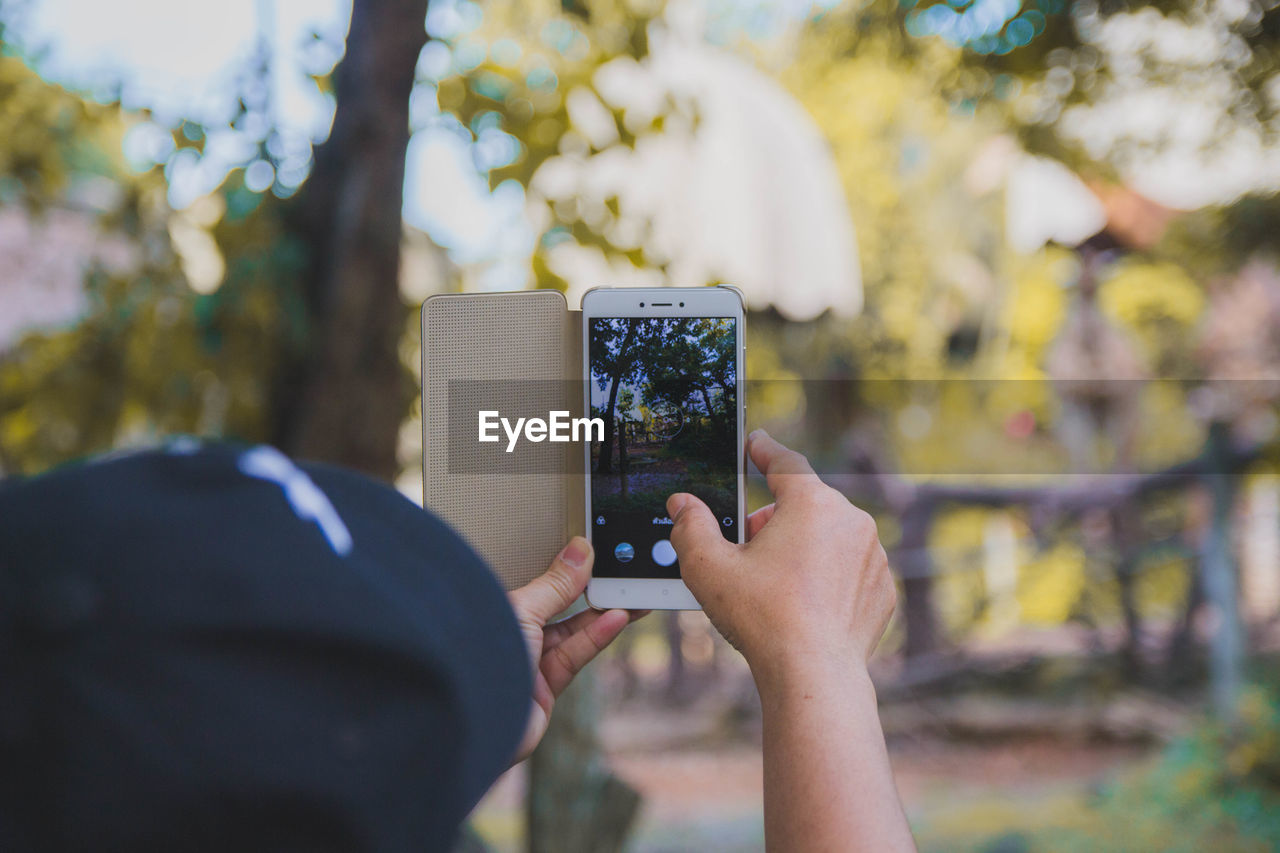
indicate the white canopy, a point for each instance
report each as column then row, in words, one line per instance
column 748, row 195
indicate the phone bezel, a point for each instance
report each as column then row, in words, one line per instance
column 721, row 301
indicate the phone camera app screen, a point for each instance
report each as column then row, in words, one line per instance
column 666, row 389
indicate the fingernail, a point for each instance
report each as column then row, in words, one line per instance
column 576, row 552
column 675, row 503
column 758, row 433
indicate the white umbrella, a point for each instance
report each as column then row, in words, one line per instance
column 748, row 195
column 1044, row 200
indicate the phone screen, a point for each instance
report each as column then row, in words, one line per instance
column 667, row 391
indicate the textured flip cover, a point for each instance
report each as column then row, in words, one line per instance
column 520, row 354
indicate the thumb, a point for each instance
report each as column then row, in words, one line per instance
column 696, row 530
column 556, row 588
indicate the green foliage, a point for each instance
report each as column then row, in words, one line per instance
column 43, row 129
column 1215, row 789
column 1054, row 50
column 1161, row 305
column 1213, row 241
column 151, row 356
column 539, row 97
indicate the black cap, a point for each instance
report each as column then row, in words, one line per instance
column 209, row 648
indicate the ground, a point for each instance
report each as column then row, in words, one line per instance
column 957, row 796
column 972, row 770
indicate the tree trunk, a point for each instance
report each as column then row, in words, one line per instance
column 706, row 401
column 624, row 464
column 343, row 397
column 604, row 465
column 1126, row 535
column 575, row 804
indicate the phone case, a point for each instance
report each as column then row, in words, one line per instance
column 519, row 354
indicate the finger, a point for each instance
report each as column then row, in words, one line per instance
column 563, row 661
column 695, row 529
column 557, row 587
column 758, row 519
column 783, row 468
column 556, row 634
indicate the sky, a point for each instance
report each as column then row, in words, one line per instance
column 181, row 58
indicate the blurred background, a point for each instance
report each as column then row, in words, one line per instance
column 1012, row 277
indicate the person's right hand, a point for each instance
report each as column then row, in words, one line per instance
column 811, row 583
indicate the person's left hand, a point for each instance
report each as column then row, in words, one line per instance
column 559, row 651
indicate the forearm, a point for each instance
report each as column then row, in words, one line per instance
column 828, row 784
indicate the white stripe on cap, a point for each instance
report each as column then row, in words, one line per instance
column 306, row 498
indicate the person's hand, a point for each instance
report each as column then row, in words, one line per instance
column 557, row 652
column 811, row 583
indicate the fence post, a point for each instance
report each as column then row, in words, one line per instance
column 911, row 558
column 1226, row 649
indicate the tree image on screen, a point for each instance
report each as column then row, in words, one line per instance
column 666, row 390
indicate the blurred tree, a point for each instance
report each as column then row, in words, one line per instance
column 68, row 391
column 617, row 367
column 295, row 338
column 910, row 96
column 913, row 95
column 575, row 803
column 545, row 90
column 1064, row 54
column 343, row 394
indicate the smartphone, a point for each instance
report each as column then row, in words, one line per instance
column 663, row 370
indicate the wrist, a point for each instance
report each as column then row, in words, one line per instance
column 803, row 668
